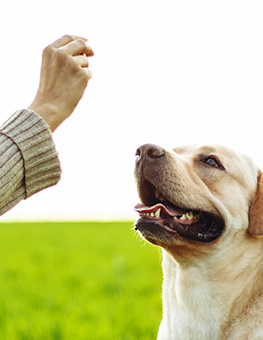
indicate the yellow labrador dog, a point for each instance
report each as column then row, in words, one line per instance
column 204, row 207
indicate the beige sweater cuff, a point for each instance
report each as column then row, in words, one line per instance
column 32, row 136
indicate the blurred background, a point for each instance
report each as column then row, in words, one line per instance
column 165, row 72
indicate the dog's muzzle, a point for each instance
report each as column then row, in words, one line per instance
column 158, row 213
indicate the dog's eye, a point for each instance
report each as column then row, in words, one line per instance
column 213, row 162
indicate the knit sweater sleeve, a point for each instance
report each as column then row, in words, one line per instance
column 28, row 159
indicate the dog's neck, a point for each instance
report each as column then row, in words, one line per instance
column 189, row 304
column 197, row 299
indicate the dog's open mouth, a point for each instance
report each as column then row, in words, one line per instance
column 159, row 212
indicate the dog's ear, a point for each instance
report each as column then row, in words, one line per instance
column 256, row 211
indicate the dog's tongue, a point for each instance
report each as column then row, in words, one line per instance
column 171, row 211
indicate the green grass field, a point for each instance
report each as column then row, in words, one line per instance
column 78, row 280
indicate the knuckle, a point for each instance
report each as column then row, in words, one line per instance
column 74, row 68
column 81, row 75
column 61, row 56
column 68, row 37
column 81, row 44
column 87, row 74
column 49, row 50
column 85, row 60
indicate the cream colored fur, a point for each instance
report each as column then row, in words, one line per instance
column 212, row 291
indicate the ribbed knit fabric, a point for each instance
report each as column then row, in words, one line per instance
column 28, row 159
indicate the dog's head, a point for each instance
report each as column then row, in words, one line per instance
column 196, row 196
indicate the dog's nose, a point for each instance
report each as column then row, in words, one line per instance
column 149, row 152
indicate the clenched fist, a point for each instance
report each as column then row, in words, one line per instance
column 64, row 76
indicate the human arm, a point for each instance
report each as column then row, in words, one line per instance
column 28, row 159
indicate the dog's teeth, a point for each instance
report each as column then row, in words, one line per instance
column 183, row 217
column 158, row 213
column 153, row 214
column 190, row 215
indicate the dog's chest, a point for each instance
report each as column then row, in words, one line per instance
column 190, row 309
column 196, row 308
column 181, row 323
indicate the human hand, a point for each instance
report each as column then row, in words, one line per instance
column 64, row 76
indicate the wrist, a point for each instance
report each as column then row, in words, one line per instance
column 48, row 113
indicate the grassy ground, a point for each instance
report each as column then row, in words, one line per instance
column 77, row 281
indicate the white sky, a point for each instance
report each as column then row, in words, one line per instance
column 165, row 72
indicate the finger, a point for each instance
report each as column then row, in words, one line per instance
column 82, row 60
column 89, row 73
column 65, row 40
column 78, row 47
